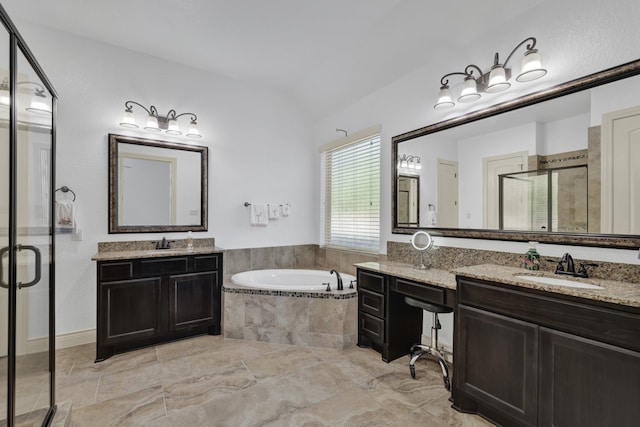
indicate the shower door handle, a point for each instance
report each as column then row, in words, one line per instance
column 38, row 275
column 2, row 282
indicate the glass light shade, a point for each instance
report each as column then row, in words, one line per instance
column 412, row 165
column 531, row 67
column 404, row 163
column 193, row 131
column 469, row 91
column 497, row 80
column 128, row 120
column 444, row 99
column 173, row 128
column 418, row 164
column 38, row 105
column 152, row 124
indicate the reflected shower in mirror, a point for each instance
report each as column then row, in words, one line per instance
column 573, row 125
column 409, row 200
column 156, row 186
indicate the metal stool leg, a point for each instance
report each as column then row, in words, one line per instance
column 419, row 350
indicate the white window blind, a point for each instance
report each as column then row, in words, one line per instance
column 351, row 195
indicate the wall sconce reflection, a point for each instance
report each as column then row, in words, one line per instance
column 40, row 102
column 409, row 162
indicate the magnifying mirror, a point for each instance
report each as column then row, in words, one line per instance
column 421, row 241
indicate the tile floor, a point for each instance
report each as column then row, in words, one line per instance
column 212, row 381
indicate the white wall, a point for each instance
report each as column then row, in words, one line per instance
column 259, row 150
column 260, row 140
column 575, row 38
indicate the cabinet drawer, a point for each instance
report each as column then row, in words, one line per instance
column 205, row 263
column 116, row 271
column 372, row 302
column 419, row 290
column 372, row 327
column 370, row 281
column 598, row 322
column 163, row 266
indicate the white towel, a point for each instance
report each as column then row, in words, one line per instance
column 274, row 211
column 286, row 210
column 432, row 220
column 259, row 214
column 65, row 217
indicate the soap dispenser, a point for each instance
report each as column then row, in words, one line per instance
column 532, row 257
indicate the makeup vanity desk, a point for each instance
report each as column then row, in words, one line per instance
column 385, row 322
column 525, row 353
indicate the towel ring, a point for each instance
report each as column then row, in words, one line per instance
column 66, row 189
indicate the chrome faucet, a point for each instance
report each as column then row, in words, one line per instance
column 340, row 287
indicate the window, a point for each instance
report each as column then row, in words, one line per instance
column 351, row 193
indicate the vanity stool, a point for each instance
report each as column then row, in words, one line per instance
column 419, row 350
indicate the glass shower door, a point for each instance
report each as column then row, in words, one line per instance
column 4, row 224
column 33, row 254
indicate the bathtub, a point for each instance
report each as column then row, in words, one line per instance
column 290, row 280
column 291, row 306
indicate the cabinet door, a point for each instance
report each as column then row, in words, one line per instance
column 129, row 310
column 497, row 362
column 587, row 383
column 193, row 299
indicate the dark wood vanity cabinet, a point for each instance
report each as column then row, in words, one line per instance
column 526, row 358
column 147, row 301
column 385, row 322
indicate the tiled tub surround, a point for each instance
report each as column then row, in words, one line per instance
column 307, row 319
column 298, row 256
column 316, row 319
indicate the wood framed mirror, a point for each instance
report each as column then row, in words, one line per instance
column 156, row 186
column 542, row 119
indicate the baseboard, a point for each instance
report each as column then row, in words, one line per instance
column 448, row 349
column 69, row 339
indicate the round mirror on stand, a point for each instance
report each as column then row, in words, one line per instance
column 421, row 241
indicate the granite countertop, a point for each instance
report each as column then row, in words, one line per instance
column 432, row 276
column 154, row 253
column 616, row 292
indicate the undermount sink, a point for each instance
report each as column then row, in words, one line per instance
column 559, row 282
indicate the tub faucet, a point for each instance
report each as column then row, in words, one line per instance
column 340, row 287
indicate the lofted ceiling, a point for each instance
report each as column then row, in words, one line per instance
column 325, row 54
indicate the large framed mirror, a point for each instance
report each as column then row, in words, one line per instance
column 588, row 128
column 156, row 186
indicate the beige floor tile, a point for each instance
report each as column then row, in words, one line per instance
column 212, row 381
column 129, row 381
column 280, row 362
column 134, row 409
column 201, row 389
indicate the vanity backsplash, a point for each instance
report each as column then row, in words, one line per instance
column 444, row 257
column 148, row 245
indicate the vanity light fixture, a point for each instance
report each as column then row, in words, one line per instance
column 410, row 162
column 496, row 80
column 40, row 103
column 157, row 123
